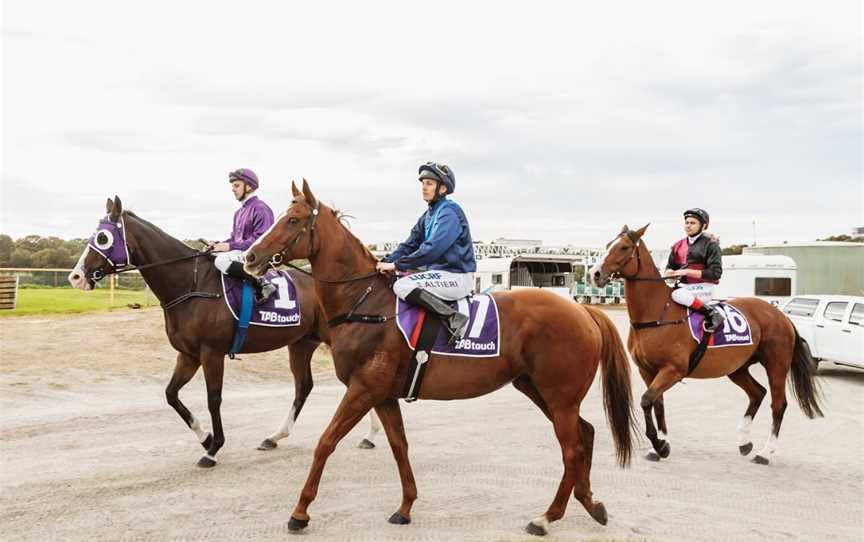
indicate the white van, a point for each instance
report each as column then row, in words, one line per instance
column 832, row 325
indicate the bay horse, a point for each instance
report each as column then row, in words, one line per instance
column 661, row 347
column 550, row 351
column 198, row 323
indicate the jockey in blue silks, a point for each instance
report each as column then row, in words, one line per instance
column 251, row 220
column 439, row 244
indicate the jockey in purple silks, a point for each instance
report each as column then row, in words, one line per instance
column 251, row 220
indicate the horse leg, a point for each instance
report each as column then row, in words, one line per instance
column 777, row 384
column 391, row 418
column 665, row 379
column 575, row 453
column 184, row 370
column 660, row 415
column 755, row 392
column 368, row 441
column 354, row 405
column 214, row 368
column 526, row 386
column 300, row 359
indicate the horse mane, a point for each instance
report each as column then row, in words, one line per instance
column 177, row 242
column 342, row 219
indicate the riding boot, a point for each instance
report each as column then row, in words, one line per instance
column 454, row 320
column 263, row 289
column 714, row 318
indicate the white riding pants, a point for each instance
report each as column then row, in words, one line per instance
column 685, row 294
column 224, row 259
column 444, row 284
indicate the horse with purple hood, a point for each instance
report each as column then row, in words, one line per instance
column 198, row 323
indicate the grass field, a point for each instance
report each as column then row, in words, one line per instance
column 70, row 301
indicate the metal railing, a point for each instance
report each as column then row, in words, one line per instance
column 52, row 277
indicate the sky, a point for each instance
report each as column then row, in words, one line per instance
column 562, row 121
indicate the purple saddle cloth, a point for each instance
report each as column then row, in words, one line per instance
column 735, row 331
column 482, row 335
column 281, row 310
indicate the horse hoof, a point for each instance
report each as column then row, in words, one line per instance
column 536, row 530
column 296, row 525
column 745, row 448
column 206, row 462
column 652, row 456
column 664, row 450
column 399, row 519
column 207, row 441
column 599, row 514
column 267, row 444
column 759, row 460
column 366, row 444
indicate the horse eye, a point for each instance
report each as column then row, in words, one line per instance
column 293, row 220
column 104, row 239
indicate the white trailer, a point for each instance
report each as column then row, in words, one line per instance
column 771, row 278
column 553, row 272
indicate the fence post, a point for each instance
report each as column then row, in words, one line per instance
column 111, row 291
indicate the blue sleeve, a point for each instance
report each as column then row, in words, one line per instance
column 409, row 245
column 441, row 238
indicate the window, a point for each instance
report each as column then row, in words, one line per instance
column 835, row 311
column 558, row 280
column 781, row 286
column 496, row 278
column 801, row 306
column 857, row 317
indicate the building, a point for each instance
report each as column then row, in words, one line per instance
column 823, row 267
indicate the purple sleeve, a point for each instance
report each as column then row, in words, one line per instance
column 261, row 220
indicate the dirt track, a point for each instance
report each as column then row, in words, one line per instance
column 90, row 450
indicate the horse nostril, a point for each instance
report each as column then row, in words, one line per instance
column 76, row 276
column 250, row 257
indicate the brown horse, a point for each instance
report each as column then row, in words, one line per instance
column 550, row 349
column 660, row 344
column 199, row 326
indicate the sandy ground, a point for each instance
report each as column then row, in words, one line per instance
column 90, row 450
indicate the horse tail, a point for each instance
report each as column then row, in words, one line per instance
column 615, row 377
column 805, row 388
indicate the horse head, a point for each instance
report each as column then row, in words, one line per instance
column 291, row 237
column 106, row 250
column 621, row 258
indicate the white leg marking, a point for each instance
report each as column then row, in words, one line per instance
column 744, row 430
column 196, row 428
column 284, row 428
column 541, row 522
column 770, row 447
column 374, row 426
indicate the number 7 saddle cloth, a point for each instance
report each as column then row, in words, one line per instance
column 735, row 331
column 281, row 310
column 481, row 339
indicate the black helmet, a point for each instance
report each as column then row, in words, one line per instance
column 439, row 172
column 699, row 214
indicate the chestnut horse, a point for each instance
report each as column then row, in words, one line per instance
column 200, row 327
column 661, row 348
column 550, row 350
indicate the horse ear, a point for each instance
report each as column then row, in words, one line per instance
column 116, row 209
column 641, row 231
column 294, row 190
column 624, row 228
column 109, row 205
column 310, row 198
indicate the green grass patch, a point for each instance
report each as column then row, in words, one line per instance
column 71, row 301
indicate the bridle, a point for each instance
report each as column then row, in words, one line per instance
column 281, row 258
column 634, row 254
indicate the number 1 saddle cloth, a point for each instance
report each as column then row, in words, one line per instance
column 281, row 310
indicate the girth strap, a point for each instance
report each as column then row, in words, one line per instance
column 697, row 354
column 429, row 325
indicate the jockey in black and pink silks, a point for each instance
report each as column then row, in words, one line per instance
column 251, row 220
column 697, row 259
column 440, row 244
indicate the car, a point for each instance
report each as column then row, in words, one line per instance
column 831, row 325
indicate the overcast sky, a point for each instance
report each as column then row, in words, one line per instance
column 561, row 121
